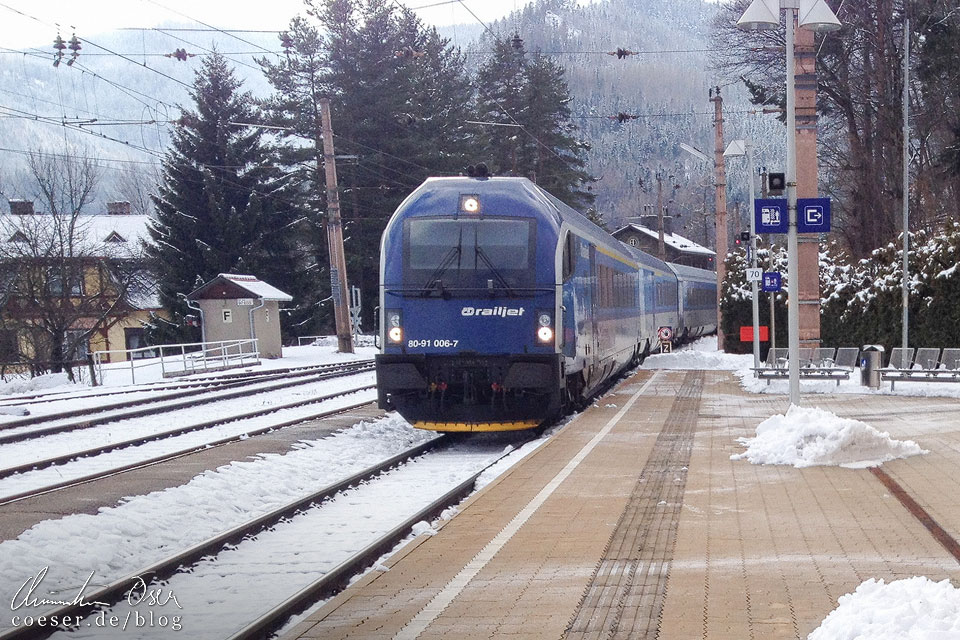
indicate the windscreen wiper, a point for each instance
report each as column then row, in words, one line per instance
column 503, row 282
column 434, row 279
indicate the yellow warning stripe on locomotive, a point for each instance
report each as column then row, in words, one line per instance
column 477, row 426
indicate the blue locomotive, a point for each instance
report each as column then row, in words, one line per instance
column 501, row 306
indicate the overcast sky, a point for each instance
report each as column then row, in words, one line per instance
column 38, row 27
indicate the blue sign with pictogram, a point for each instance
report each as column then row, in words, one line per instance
column 813, row 215
column 770, row 215
column 772, row 281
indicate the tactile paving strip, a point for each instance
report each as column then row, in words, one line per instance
column 625, row 596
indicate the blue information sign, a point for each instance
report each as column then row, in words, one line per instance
column 772, row 281
column 813, row 215
column 770, row 215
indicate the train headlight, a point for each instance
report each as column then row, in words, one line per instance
column 394, row 328
column 470, row 203
column 544, row 327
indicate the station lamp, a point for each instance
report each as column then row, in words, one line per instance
column 816, row 16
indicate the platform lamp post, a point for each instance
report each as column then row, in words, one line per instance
column 739, row 148
column 816, row 16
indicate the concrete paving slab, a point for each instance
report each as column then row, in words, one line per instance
column 658, row 533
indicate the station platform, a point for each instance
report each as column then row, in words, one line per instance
column 633, row 522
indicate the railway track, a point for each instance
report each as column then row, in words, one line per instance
column 172, row 401
column 162, row 385
column 287, row 524
column 178, row 452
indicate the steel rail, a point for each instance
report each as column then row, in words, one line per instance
column 63, row 396
column 241, row 389
column 115, row 590
column 181, row 452
column 339, row 577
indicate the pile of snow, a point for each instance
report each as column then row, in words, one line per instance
column 913, row 609
column 701, row 354
column 808, row 437
column 25, row 384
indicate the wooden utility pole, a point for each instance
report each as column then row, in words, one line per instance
column 338, row 263
column 720, row 205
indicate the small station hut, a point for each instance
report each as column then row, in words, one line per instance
column 240, row 307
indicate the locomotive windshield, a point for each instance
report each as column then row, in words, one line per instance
column 448, row 254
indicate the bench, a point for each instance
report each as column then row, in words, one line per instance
column 821, row 363
column 928, row 366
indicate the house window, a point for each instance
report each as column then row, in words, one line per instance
column 55, row 282
column 227, row 316
column 18, row 237
column 115, row 237
column 76, row 345
column 136, row 338
column 633, row 241
column 9, row 351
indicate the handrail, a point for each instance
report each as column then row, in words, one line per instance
column 185, row 358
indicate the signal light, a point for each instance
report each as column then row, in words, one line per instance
column 744, row 236
column 776, row 184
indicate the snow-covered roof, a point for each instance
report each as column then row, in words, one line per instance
column 112, row 236
column 671, row 239
column 254, row 286
column 257, row 287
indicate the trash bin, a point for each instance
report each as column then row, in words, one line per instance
column 871, row 359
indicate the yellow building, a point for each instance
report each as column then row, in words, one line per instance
column 73, row 284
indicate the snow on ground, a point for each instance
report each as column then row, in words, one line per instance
column 807, row 437
column 144, row 529
column 81, row 467
column 701, row 354
column 912, row 609
column 215, row 592
column 119, row 430
column 117, row 374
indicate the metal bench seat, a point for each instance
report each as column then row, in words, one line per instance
column 815, row 364
column 928, row 366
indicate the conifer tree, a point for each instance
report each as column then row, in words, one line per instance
column 529, row 95
column 217, row 207
column 399, row 98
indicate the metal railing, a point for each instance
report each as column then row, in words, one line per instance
column 184, row 359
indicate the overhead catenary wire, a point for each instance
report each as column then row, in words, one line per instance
column 209, row 26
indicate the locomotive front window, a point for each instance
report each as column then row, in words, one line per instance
column 469, row 253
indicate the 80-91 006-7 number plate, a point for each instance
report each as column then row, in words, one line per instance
column 438, row 343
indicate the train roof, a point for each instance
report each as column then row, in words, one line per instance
column 693, row 273
column 443, row 194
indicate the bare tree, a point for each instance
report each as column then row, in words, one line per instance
column 860, row 84
column 136, row 185
column 62, row 282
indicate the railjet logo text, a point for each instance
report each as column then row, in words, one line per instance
column 498, row 312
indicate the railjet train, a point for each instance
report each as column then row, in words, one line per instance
column 502, row 307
